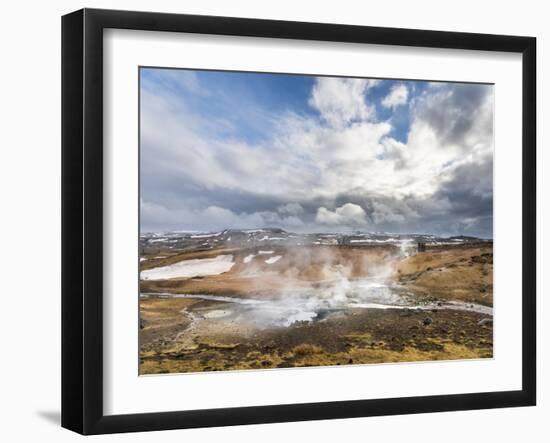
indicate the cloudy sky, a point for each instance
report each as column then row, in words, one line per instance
column 314, row 154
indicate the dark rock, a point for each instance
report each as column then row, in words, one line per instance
column 427, row 321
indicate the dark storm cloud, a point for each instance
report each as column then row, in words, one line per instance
column 455, row 110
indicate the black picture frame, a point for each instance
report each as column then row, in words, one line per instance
column 82, row 219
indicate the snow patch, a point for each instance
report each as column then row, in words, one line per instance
column 190, row 268
column 249, row 258
column 272, row 260
column 216, row 234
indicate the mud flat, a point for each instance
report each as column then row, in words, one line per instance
column 337, row 306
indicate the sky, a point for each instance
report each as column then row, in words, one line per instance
column 241, row 150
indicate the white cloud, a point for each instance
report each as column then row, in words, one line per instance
column 303, row 160
column 397, row 152
column 341, row 100
column 398, row 96
column 346, row 215
column 307, row 161
column 383, row 213
column 291, row 209
column 212, row 218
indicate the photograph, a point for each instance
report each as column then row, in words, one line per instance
column 297, row 220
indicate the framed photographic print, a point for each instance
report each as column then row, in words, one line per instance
column 269, row 221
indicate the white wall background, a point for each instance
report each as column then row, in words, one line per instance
column 30, row 218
